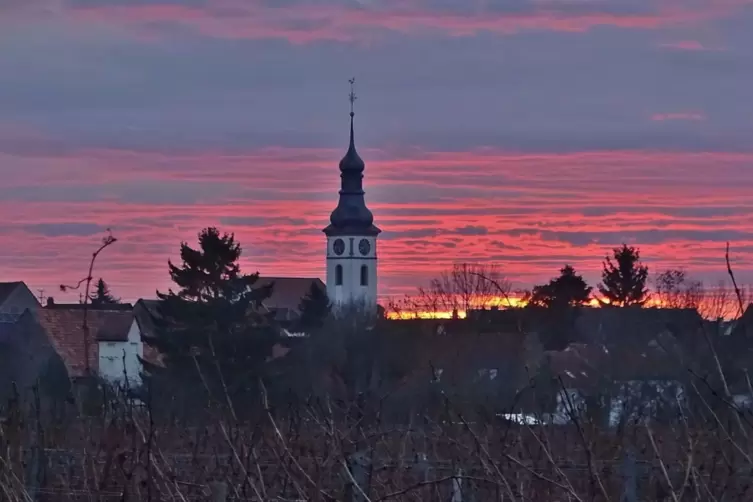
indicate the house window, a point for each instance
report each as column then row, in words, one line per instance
column 437, row 374
column 570, row 403
column 485, row 373
column 339, row 275
column 364, row 275
column 486, row 376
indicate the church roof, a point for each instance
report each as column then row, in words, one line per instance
column 352, row 162
column 351, row 216
column 287, row 292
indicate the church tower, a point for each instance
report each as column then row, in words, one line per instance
column 352, row 235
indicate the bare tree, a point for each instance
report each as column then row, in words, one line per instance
column 722, row 302
column 675, row 289
column 402, row 308
column 464, row 287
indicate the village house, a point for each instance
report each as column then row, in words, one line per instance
column 614, row 387
column 111, row 348
column 29, row 364
column 15, row 299
column 284, row 302
column 624, row 357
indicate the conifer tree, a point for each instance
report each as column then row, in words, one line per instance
column 569, row 289
column 315, row 307
column 212, row 333
column 561, row 298
column 624, row 279
column 102, row 295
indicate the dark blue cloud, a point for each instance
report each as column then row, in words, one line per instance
column 639, row 237
column 98, row 86
column 65, row 229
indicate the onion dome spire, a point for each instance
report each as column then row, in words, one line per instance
column 351, row 216
column 351, row 160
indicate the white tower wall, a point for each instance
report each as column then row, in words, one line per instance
column 351, row 289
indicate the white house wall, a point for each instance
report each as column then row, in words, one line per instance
column 118, row 359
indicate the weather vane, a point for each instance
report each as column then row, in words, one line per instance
column 352, row 95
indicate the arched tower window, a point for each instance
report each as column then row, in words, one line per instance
column 364, row 275
column 339, row 275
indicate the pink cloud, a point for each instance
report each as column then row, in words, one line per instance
column 692, row 46
column 305, row 23
column 692, row 116
column 686, row 45
column 531, row 213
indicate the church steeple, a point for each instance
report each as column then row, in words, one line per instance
column 351, row 235
column 351, row 216
column 352, row 161
column 352, row 98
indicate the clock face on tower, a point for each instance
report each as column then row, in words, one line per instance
column 338, row 247
column 364, row 246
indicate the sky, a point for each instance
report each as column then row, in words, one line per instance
column 525, row 133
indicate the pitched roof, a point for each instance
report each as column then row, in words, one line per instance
column 611, row 325
column 7, row 288
column 144, row 311
column 743, row 326
column 288, row 292
column 64, row 327
column 579, row 364
column 89, row 306
column 584, row 365
column 456, row 347
column 25, row 352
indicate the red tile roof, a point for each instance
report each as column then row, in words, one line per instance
column 65, row 330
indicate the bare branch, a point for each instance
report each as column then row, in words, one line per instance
column 107, row 241
column 738, row 293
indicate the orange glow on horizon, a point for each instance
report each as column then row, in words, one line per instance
column 707, row 308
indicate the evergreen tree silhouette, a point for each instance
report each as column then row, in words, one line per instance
column 561, row 298
column 102, row 295
column 569, row 289
column 213, row 333
column 314, row 307
column 624, row 279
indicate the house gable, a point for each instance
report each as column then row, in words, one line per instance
column 28, row 361
column 120, row 359
column 16, row 298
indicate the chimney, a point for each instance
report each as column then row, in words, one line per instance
column 50, row 301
